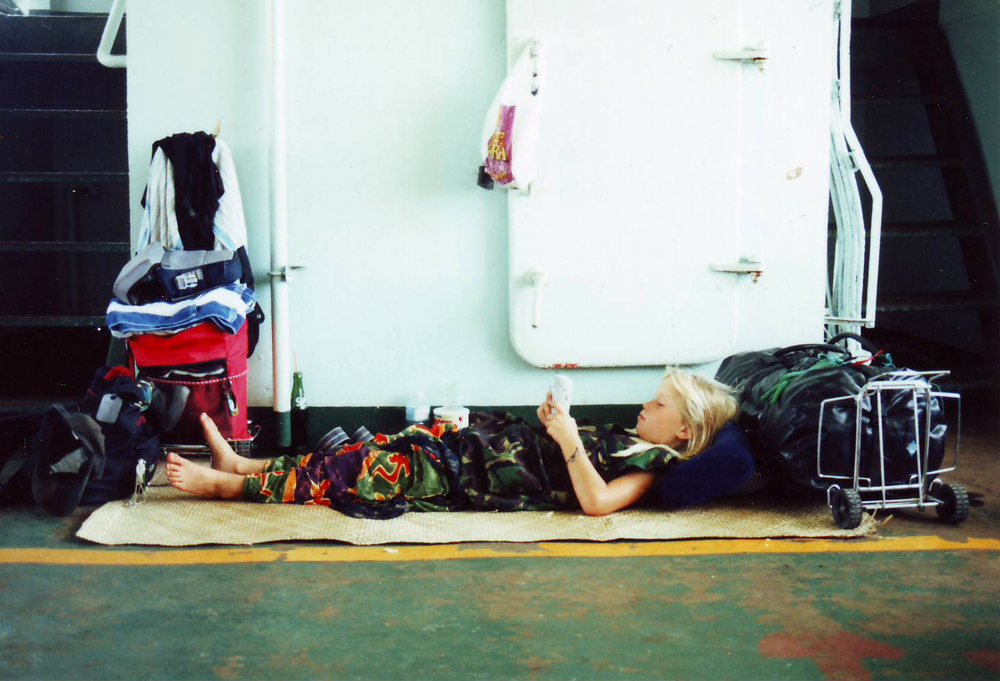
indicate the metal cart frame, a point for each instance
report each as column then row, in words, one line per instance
column 241, row 447
column 847, row 503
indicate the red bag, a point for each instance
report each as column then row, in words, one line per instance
column 208, row 361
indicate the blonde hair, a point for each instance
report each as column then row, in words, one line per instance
column 706, row 405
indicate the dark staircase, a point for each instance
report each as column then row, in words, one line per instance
column 938, row 303
column 64, row 223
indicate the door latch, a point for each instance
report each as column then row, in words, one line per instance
column 539, row 278
column 748, row 55
column 746, row 265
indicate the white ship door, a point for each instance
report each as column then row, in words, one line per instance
column 616, row 252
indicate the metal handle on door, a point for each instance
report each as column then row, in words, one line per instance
column 745, row 265
column 538, row 279
column 748, row 55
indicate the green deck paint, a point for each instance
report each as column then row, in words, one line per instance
column 506, row 618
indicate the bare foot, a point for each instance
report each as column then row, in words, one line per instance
column 189, row 477
column 223, row 457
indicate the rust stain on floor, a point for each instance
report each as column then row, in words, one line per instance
column 807, row 632
column 985, row 658
column 838, row 654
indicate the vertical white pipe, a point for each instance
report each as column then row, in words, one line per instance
column 278, row 167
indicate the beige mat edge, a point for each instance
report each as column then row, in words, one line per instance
column 171, row 518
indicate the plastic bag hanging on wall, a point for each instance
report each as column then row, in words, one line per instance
column 510, row 133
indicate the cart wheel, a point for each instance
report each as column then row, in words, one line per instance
column 847, row 508
column 954, row 506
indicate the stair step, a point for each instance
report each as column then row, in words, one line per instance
column 879, row 24
column 930, row 229
column 51, row 321
column 960, row 385
column 64, row 247
column 919, row 15
column 968, row 378
column 935, row 302
column 62, row 114
column 916, row 162
column 63, row 177
column 76, row 145
column 904, row 100
column 62, row 85
column 57, row 33
column 101, row 215
column 921, row 352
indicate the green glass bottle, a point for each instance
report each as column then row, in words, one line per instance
column 300, row 412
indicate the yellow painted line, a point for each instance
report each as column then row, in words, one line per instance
column 388, row 554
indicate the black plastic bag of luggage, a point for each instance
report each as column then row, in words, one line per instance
column 781, row 392
column 903, row 421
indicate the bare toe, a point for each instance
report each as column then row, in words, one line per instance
column 223, row 456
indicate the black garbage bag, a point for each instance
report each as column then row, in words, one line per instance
column 781, row 393
column 903, row 433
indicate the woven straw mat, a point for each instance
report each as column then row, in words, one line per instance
column 168, row 517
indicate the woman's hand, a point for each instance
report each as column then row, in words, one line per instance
column 545, row 410
column 560, row 426
column 596, row 497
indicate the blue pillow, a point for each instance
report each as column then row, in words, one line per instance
column 720, row 470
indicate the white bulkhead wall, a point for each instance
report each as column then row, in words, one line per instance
column 407, row 259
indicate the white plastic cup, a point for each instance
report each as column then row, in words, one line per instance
column 451, row 414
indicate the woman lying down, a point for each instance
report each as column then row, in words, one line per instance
column 498, row 463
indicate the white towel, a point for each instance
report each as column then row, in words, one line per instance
column 159, row 221
column 230, row 227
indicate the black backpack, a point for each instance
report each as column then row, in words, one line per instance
column 131, row 435
column 98, row 452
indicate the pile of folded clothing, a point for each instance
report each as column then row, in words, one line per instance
column 185, row 303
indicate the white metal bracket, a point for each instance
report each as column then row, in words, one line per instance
column 285, row 273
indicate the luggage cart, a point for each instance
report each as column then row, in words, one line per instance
column 849, row 497
column 241, row 447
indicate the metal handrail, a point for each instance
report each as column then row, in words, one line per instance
column 848, row 158
column 104, row 56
